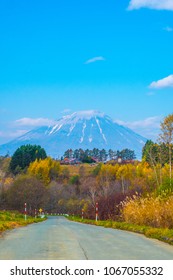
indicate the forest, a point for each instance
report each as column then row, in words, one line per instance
column 140, row 192
column 96, row 155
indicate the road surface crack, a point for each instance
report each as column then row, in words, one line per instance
column 83, row 250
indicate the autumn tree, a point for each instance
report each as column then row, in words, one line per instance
column 167, row 137
column 27, row 189
column 125, row 173
column 45, row 169
column 75, row 181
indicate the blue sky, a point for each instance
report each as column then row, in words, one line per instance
column 57, row 57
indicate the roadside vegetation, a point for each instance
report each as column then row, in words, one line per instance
column 130, row 194
column 11, row 219
column 162, row 234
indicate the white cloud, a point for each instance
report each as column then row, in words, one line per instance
column 12, row 134
column 163, row 83
column 33, row 122
column 168, row 29
column 151, row 4
column 148, row 127
column 148, row 122
column 21, row 126
column 94, row 59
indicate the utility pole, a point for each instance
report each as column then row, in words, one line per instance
column 97, row 211
column 25, row 211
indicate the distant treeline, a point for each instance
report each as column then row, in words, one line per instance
column 100, row 155
column 157, row 153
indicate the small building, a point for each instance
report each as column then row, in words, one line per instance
column 70, row 161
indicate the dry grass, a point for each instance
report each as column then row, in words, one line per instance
column 75, row 169
column 10, row 220
column 150, row 211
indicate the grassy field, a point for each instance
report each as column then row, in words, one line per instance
column 10, row 220
column 162, row 234
column 75, row 169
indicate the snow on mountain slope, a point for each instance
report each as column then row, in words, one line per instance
column 83, row 129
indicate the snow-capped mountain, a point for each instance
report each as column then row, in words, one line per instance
column 83, row 129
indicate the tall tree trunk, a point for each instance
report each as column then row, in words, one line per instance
column 153, row 163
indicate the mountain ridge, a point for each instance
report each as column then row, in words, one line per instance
column 82, row 129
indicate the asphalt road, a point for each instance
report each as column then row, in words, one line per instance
column 60, row 239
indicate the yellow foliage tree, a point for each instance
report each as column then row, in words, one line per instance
column 45, row 169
